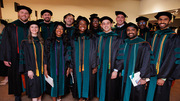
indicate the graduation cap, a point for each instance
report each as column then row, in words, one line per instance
column 142, row 18
column 106, row 18
column 130, row 24
column 165, row 14
column 82, row 18
column 60, row 23
column 3, row 22
column 24, row 7
column 34, row 22
column 68, row 15
column 120, row 12
column 46, row 10
column 92, row 16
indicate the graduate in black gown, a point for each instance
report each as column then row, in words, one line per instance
column 107, row 51
column 47, row 25
column 165, row 60
column 31, row 62
column 95, row 27
column 3, row 68
column 120, row 27
column 143, row 31
column 69, row 21
column 13, row 34
column 84, row 55
column 57, row 59
column 133, row 57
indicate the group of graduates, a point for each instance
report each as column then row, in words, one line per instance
column 96, row 61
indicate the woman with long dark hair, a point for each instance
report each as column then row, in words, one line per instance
column 31, row 62
column 57, row 60
column 83, row 60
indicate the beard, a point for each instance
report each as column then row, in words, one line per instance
column 163, row 27
column 47, row 20
column 132, row 36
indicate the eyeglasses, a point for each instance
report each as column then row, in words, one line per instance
column 142, row 23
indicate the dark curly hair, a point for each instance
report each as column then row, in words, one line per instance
column 76, row 33
column 65, row 38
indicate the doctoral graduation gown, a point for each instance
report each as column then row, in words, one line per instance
column 165, row 60
column 13, row 34
column 57, row 58
column 145, row 34
column 46, row 29
column 95, row 32
column 31, row 59
column 84, row 57
column 121, row 31
column 107, row 52
column 134, row 56
column 70, row 31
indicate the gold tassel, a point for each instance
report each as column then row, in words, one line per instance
column 138, row 32
column 172, row 18
column 147, row 24
column 40, row 29
column 82, row 67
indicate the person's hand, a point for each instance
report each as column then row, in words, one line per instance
column 8, row 64
column 30, row 74
column 68, row 71
column 94, row 70
column 114, row 75
column 160, row 82
column 142, row 82
column 46, row 73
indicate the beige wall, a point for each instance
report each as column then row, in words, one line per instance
column 133, row 8
column 77, row 7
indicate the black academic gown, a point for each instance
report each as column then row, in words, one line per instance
column 92, row 64
column 168, row 62
column 121, row 31
column 106, row 87
column 46, row 29
column 70, row 31
column 36, row 86
column 50, row 60
column 145, row 34
column 13, row 34
column 127, row 54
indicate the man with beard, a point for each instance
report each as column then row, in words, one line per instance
column 133, row 57
column 47, row 25
column 69, row 21
column 13, row 34
column 165, row 60
column 144, row 32
column 120, row 27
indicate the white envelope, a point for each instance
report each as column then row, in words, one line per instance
column 49, row 80
column 136, row 79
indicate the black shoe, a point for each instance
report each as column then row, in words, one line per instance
column 17, row 98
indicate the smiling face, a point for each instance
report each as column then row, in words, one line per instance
column 47, row 17
column 69, row 20
column 82, row 26
column 34, row 29
column 59, row 31
column 142, row 24
column 106, row 25
column 23, row 15
column 120, row 19
column 95, row 23
column 163, row 22
column 131, row 32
